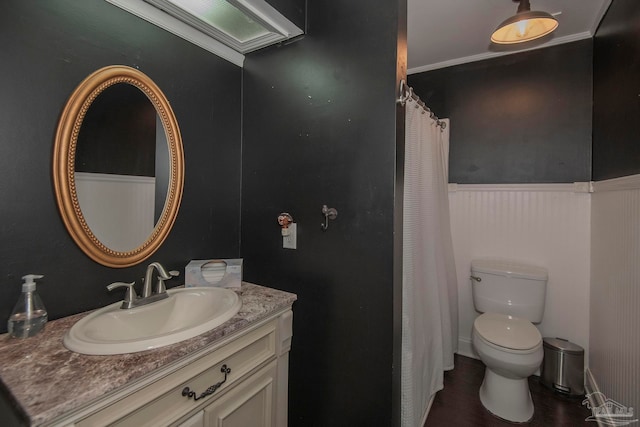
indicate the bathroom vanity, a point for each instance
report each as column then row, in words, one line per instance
column 233, row 375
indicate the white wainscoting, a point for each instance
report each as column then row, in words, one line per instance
column 543, row 224
column 615, row 290
column 119, row 209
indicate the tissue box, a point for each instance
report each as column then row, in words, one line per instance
column 223, row 273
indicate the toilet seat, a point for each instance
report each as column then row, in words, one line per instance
column 507, row 332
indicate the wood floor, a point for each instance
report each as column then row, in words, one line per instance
column 458, row 405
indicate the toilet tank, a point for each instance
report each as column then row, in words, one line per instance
column 509, row 287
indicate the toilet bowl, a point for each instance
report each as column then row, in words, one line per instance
column 511, row 296
column 511, row 349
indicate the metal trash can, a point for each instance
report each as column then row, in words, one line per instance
column 563, row 366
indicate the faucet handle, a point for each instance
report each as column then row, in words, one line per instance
column 130, row 294
column 160, row 288
column 162, row 272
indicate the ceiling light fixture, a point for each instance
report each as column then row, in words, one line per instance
column 524, row 26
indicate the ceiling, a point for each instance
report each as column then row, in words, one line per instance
column 442, row 33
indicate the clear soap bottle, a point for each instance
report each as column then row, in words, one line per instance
column 29, row 315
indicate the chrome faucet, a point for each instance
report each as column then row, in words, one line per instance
column 148, row 278
column 131, row 300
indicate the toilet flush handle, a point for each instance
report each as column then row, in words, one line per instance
column 477, row 279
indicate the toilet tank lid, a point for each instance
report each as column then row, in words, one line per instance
column 509, row 268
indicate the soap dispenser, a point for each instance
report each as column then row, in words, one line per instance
column 29, row 315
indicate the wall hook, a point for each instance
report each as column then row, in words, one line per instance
column 329, row 213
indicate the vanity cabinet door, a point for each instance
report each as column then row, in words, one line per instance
column 250, row 404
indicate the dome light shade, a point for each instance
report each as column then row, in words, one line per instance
column 524, row 26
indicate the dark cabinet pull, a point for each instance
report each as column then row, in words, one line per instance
column 189, row 394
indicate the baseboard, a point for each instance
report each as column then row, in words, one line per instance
column 465, row 348
column 595, row 396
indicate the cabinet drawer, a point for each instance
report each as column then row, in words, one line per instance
column 161, row 402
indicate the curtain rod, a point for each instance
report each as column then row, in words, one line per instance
column 406, row 93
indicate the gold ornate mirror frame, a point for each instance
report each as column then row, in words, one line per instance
column 64, row 156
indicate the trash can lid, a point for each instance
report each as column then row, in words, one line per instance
column 562, row 345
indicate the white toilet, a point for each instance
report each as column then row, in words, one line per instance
column 511, row 296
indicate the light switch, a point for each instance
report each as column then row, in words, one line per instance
column 290, row 241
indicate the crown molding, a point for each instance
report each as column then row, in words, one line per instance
column 599, row 16
column 167, row 22
column 489, row 55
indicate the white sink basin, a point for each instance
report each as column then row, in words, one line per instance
column 186, row 313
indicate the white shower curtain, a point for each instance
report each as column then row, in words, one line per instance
column 430, row 299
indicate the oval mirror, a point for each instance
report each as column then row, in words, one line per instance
column 118, row 166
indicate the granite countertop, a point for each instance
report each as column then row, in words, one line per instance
column 45, row 380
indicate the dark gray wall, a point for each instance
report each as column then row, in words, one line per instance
column 47, row 49
column 520, row 118
column 320, row 128
column 616, row 89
